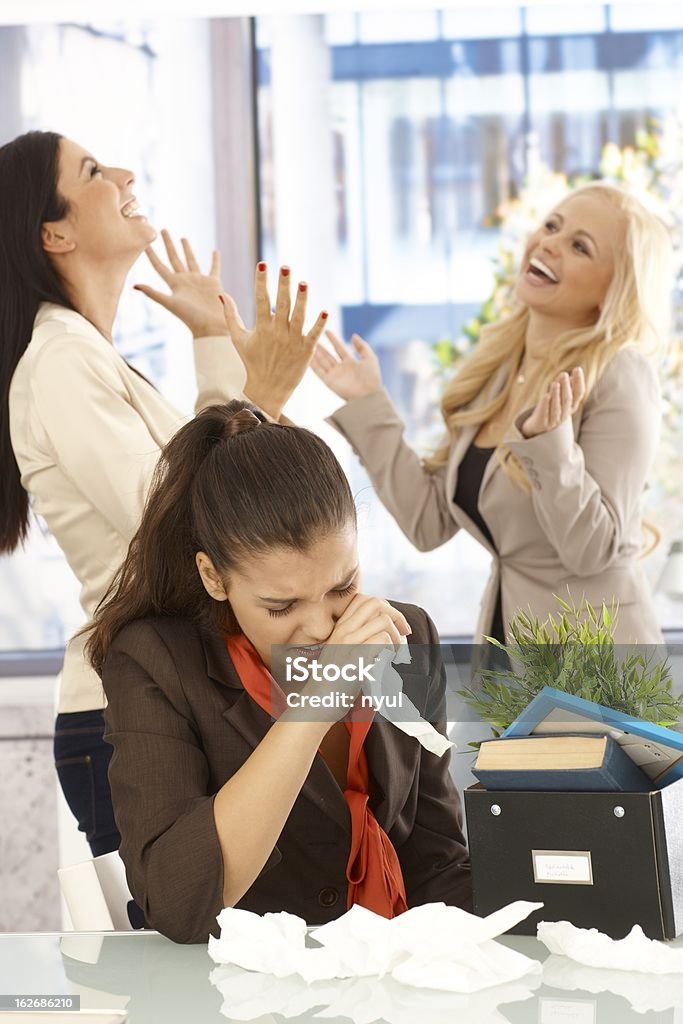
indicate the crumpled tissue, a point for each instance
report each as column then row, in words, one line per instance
column 432, row 946
column 386, row 682
column 589, row 946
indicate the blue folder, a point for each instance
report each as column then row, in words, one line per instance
column 657, row 750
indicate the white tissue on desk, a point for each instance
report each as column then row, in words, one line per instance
column 270, row 942
column 386, row 682
column 589, row 946
column 432, row 946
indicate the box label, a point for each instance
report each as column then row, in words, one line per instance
column 566, row 1011
column 562, row 867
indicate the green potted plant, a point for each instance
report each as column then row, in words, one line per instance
column 574, row 651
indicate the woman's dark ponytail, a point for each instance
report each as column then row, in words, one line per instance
column 28, row 197
column 232, row 484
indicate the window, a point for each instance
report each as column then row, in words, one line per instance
column 385, row 147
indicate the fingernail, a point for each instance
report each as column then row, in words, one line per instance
column 261, row 267
column 284, row 271
column 221, row 299
column 303, row 287
column 136, row 287
column 324, row 315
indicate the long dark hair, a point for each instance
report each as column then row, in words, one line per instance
column 231, row 484
column 29, row 168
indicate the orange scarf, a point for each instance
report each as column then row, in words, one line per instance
column 373, row 871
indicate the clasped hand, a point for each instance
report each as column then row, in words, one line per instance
column 367, row 626
column 560, row 402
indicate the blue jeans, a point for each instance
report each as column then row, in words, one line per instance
column 82, row 760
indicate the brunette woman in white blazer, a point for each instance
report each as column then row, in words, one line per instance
column 552, row 422
column 80, row 429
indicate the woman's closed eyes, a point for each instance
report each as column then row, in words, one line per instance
column 277, row 612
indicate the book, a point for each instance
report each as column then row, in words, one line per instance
column 655, row 749
column 569, row 762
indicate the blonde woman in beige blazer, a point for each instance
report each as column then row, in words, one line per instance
column 560, row 407
column 80, row 429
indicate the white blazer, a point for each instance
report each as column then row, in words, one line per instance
column 86, row 432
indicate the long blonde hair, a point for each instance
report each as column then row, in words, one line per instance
column 636, row 312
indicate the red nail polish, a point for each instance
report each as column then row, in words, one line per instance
column 303, row 287
column 261, row 267
column 221, row 299
column 324, row 315
column 285, row 271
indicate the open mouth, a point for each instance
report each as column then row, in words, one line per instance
column 132, row 209
column 540, row 273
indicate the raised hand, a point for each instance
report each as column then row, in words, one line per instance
column 560, row 402
column 194, row 296
column 348, row 375
column 276, row 352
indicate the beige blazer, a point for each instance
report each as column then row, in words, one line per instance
column 578, row 531
column 86, row 432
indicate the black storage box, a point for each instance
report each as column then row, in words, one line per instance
column 599, row 860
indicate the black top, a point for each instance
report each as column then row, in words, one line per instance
column 470, row 475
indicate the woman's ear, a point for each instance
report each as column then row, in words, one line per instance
column 55, row 238
column 213, row 584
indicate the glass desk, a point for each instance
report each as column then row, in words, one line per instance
column 158, row 982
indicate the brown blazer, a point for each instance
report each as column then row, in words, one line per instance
column 578, row 531
column 181, row 724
